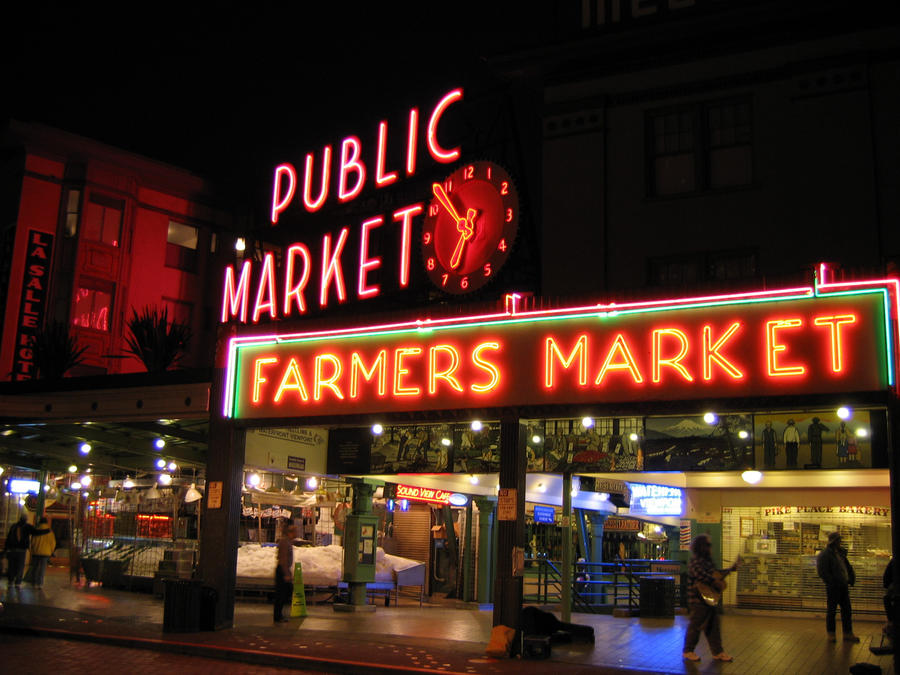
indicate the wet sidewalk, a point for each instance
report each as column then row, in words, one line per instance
column 428, row 639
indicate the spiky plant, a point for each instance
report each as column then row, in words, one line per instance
column 55, row 351
column 156, row 342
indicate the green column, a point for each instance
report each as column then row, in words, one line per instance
column 467, row 556
column 566, row 595
column 361, row 505
column 485, row 508
column 597, row 522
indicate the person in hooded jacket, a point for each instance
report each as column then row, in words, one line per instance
column 838, row 575
column 42, row 548
column 17, row 542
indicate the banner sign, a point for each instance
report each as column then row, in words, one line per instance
column 31, row 307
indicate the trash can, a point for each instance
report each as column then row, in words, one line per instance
column 181, row 606
column 657, row 596
column 209, row 597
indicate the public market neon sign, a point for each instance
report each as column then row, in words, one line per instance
column 828, row 338
column 316, row 275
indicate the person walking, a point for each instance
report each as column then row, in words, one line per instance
column 284, row 572
column 17, row 542
column 42, row 548
column 703, row 616
column 838, row 575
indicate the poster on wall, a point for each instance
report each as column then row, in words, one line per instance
column 813, row 440
column 349, row 451
column 425, row 448
column 609, row 444
column 692, row 443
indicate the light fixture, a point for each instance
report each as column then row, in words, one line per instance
column 85, row 480
column 587, row 422
column 473, row 479
column 535, row 439
column 75, row 486
column 844, row 412
column 603, row 496
column 541, row 487
column 160, row 463
column 192, row 494
column 752, row 476
column 173, row 466
column 128, row 483
column 446, row 442
column 576, row 486
column 159, row 443
column 742, row 434
column 862, row 433
column 476, row 425
column 710, row 418
column 84, row 448
column 377, row 429
column 253, row 480
column 632, row 437
column 165, row 479
column 240, row 244
column 73, row 468
column 152, row 493
column 641, row 535
column 312, row 483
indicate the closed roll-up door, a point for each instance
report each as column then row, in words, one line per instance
column 412, row 534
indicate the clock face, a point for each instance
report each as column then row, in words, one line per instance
column 470, row 227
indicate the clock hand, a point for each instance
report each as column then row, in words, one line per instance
column 466, row 229
column 445, row 201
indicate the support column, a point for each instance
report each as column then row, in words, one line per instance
column 41, row 496
column 510, row 533
column 893, row 437
column 485, row 553
column 467, row 556
column 566, row 594
column 357, row 570
column 220, row 528
column 597, row 522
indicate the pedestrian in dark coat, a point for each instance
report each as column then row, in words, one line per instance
column 838, row 575
column 17, row 542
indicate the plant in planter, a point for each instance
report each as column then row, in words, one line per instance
column 55, row 352
column 156, row 342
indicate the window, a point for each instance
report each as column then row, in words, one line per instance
column 73, row 202
column 103, row 219
column 684, row 270
column 93, row 305
column 181, row 247
column 700, row 147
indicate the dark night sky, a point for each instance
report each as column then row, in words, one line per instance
column 227, row 94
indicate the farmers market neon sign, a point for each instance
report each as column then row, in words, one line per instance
column 822, row 339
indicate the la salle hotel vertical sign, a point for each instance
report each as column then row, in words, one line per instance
column 38, row 257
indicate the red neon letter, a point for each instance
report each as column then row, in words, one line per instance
column 332, row 269
column 620, row 347
column 292, row 381
column 400, row 371
column 280, row 204
column 411, row 141
column 492, row 370
column 357, row 366
column 773, row 347
column 382, row 178
column 365, row 262
column 674, row 362
column 258, row 379
column 405, row 217
column 350, row 149
column 711, row 352
column 236, row 299
column 266, row 288
column 439, row 154
column 552, row 350
column 311, row 204
column 295, row 292
column 837, row 351
column 447, row 373
column 321, row 382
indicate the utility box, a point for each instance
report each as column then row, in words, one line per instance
column 360, row 543
column 657, row 596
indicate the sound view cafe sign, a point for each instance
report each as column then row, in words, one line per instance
column 824, row 339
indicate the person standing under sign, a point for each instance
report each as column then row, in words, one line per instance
column 284, row 572
column 838, row 575
column 791, row 444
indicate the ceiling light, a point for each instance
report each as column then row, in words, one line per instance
column 632, row 437
column 541, row 487
column 844, row 412
column 535, row 439
column 128, row 483
column 312, row 483
column 476, row 425
column 75, row 486
column 254, row 480
column 165, row 479
column 587, row 422
column 173, row 466
column 473, row 479
column 240, row 244
column 862, row 433
column 751, row 476
column 73, row 468
column 446, row 442
column 85, row 480
column 192, row 494
column 159, row 443
column 743, row 434
column 710, row 418
column 84, row 448
column 160, row 463
column 377, row 429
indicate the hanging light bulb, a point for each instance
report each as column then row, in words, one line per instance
column 152, row 493
column 254, row 480
column 377, row 429
column 476, row 425
column 84, row 448
column 128, row 483
column 192, row 494
column 312, row 483
column 165, row 479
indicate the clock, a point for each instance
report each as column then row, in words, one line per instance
column 470, row 227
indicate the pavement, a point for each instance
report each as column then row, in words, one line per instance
column 438, row 637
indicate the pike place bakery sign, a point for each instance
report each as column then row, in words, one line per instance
column 715, row 346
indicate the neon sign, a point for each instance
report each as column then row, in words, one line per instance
column 656, row 500
column 801, row 341
column 423, row 494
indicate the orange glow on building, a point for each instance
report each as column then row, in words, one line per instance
column 834, row 324
column 357, row 368
column 619, row 349
column 774, row 347
column 329, row 382
column 671, row 361
column 554, row 355
column 401, row 371
column 436, row 373
column 489, row 368
column 292, row 380
column 711, row 352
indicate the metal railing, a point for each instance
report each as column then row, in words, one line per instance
column 598, row 588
